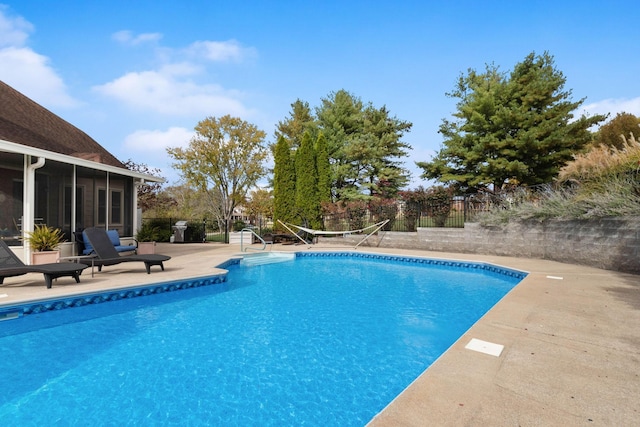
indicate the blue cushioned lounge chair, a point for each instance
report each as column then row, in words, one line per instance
column 106, row 254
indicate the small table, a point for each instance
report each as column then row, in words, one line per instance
column 92, row 257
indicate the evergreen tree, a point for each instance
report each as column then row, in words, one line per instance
column 300, row 120
column 516, row 128
column 323, row 170
column 364, row 146
column 382, row 173
column 340, row 120
column 307, row 201
column 284, row 184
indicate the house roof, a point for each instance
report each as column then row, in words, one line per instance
column 27, row 123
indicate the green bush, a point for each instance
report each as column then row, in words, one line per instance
column 163, row 227
column 148, row 233
column 238, row 225
column 439, row 205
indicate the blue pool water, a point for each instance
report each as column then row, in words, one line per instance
column 321, row 340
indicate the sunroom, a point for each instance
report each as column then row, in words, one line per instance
column 66, row 192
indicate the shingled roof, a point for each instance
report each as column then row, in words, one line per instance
column 25, row 122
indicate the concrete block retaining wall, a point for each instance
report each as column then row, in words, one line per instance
column 609, row 243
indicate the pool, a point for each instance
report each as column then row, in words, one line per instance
column 325, row 339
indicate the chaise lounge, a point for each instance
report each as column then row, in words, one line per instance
column 85, row 248
column 106, row 253
column 11, row 265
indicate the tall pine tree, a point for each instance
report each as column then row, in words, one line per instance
column 300, row 120
column 365, row 147
column 323, row 169
column 307, row 200
column 284, row 184
column 510, row 129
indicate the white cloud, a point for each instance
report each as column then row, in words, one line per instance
column 176, row 87
column 161, row 92
column 613, row 106
column 127, row 37
column 30, row 73
column 25, row 70
column 14, row 31
column 180, row 69
column 149, row 147
column 227, row 51
column 157, row 140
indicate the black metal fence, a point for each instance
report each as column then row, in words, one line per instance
column 402, row 218
column 409, row 217
column 198, row 230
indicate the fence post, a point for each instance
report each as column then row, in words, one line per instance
column 464, row 217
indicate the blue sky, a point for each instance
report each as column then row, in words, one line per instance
column 137, row 76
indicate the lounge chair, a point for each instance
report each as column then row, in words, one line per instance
column 85, row 248
column 106, row 253
column 11, row 265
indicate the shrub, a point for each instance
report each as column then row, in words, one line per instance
column 439, row 204
column 238, row 225
column 44, row 238
column 163, row 227
column 383, row 209
column 356, row 214
column 602, row 161
column 148, row 233
column 603, row 182
column 414, row 200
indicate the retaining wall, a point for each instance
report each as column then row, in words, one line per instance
column 609, row 243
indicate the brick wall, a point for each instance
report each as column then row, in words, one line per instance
column 610, row 243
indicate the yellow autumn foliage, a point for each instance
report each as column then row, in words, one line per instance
column 603, row 161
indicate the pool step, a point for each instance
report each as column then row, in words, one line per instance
column 10, row 315
column 266, row 258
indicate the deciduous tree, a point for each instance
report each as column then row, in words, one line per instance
column 259, row 205
column 225, row 159
column 617, row 130
column 149, row 193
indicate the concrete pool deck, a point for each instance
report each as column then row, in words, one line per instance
column 571, row 337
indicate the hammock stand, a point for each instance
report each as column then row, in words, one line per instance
column 315, row 233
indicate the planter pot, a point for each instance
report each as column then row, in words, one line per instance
column 67, row 249
column 45, row 257
column 145, row 248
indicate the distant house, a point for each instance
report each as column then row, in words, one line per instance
column 53, row 173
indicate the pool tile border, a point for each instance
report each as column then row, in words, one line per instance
column 418, row 260
column 102, row 297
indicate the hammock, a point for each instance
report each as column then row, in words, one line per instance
column 377, row 226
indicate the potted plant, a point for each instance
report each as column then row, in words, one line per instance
column 44, row 242
column 146, row 237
